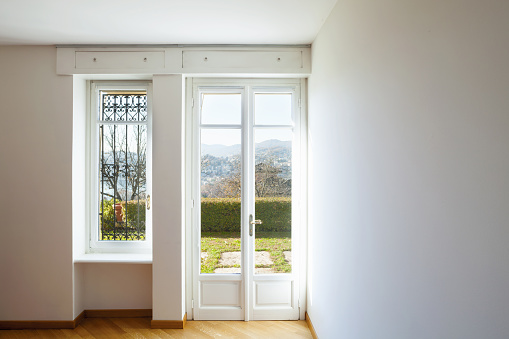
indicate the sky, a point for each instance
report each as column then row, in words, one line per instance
column 226, row 109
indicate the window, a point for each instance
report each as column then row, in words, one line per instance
column 119, row 166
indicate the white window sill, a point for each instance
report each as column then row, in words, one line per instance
column 115, row 258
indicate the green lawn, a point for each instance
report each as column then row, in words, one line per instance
column 273, row 242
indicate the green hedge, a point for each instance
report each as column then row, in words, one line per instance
column 223, row 214
column 130, row 210
column 217, row 214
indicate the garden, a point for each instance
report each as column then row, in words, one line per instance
column 220, row 231
column 122, row 220
column 220, row 225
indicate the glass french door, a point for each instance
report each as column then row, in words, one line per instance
column 246, row 192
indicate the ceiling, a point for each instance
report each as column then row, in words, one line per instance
column 64, row 22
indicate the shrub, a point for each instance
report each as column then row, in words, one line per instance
column 220, row 214
column 223, row 214
column 129, row 212
column 108, row 216
column 275, row 213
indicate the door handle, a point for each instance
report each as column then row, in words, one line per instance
column 148, row 202
column 251, row 223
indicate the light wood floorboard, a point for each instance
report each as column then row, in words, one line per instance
column 140, row 328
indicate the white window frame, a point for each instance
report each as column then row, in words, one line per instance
column 94, row 245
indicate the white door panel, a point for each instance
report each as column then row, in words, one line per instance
column 220, row 293
column 273, row 293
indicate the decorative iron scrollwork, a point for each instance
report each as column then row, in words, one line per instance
column 124, row 107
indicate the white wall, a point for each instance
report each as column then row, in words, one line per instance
column 79, row 216
column 167, row 198
column 409, row 161
column 43, row 199
column 35, row 178
column 116, row 286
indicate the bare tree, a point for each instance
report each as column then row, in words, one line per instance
column 268, row 182
column 123, row 165
column 229, row 186
column 137, row 164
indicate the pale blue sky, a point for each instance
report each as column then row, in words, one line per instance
column 270, row 109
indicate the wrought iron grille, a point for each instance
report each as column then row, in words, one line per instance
column 124, row 107
column 122, row 165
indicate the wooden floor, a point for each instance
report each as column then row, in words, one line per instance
column 140, row 328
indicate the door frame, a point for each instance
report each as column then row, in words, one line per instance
column 190, row 184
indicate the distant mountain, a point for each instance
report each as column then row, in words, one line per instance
column 225, row 151
column 220, row 150
column 274, row 143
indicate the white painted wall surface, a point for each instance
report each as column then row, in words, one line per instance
column 116, row 286
column 35, row 178
column 79, row 289
column 79, row 121
column 167, row 198
column 409, row 171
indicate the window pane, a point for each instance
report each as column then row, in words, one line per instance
column 220, row 201
column 122, row 177
column 221, row 108
column 273, row 201
column 273, row 109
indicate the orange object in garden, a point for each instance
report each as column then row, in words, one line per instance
column 118, row 212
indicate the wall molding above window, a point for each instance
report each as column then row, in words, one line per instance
column 285, row 61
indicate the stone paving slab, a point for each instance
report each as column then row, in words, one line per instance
column 288, row 256
column 258, row 270
column 263, row 270
column 263, row 258
column 229, row 258
column 227, row 270
column 234, row 258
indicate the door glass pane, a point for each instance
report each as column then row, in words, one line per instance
column 273, row 201
column 273, row 109
column 220, row 200
column 221, row 108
